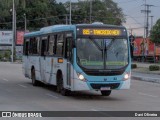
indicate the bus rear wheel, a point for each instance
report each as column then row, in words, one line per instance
column 33, row 77
column 106, row 92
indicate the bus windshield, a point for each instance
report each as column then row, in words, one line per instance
column 106, row 53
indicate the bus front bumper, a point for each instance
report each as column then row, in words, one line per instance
column 84, row 86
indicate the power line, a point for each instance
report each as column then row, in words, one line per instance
column 129, row 1
column 146, row 11
column 134, row 19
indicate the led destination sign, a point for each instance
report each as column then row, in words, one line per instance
column 103, row 32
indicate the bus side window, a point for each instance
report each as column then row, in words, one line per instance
column 26, row 46
column 30, row 46
column 60, row 44
column 38, row 44
column 44, row 42
column 51, row 45
column 68, row 49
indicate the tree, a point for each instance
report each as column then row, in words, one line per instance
column 39, row 13
column 105, row 11
column 155, row 32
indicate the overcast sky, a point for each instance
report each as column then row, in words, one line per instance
column 132, row 10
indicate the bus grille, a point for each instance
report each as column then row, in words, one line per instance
column 108, row 73
column 98, row 86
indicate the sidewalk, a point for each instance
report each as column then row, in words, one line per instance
column 142, row 72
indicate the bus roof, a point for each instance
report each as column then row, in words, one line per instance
column 50, row 29
column 58, row 28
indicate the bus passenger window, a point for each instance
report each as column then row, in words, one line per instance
column 43, row 47
column 51, row 45
column 33, row 46
column 26, row 50
column 60, row 42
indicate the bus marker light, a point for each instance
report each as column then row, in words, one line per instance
column 60, row 60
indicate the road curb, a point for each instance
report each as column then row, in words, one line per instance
column 154, row 80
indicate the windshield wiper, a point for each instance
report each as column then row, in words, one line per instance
column 108, row 46
column 97, row 45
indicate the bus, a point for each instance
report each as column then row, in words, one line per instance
column 81, row 57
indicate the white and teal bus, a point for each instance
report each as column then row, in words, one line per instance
column 80, row 57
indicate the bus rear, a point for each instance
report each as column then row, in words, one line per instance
column 101, row 58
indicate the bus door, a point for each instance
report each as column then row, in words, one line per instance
column 43, row 58
column 68, row 56
column 26, row 58
column 50, row 59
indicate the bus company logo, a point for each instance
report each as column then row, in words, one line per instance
column 21, row 114
column 6, row 114
column 105, row 79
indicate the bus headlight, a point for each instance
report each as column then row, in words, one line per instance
column 126, row 76
column 81, row 77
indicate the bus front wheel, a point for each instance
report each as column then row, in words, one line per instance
column 106, row 92
column 33, row 77
column 61, row 89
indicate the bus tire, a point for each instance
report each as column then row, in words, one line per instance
column 106, row 92
column 60, row 87
column 33, row 77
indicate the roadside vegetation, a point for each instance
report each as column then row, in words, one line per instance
column 41, row 13
column 5, row 55
column 154, row 68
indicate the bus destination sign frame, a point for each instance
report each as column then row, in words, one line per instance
column 109, row 32
column 105, row 32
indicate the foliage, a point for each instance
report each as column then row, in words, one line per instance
column 154, row 67
column 5, row 55
column 1, row 56
column 40, row 13
column 155, row 32
column 133, row 66
column 105, row 11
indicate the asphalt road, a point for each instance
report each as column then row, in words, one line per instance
column 18, row 94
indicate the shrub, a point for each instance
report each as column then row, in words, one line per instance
column 133, row 66
column 154, row 68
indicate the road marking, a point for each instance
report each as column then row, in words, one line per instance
column 148, row 95
column 5, row 79
column 52, row 95
column 94, row 109
column 146, row 77
column 22, row 86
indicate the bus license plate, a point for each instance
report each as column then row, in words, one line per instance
column 105, row 88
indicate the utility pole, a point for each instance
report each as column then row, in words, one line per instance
column 25, row 23
column 90, row 14
column 70, row 13
column 146, row 12
column 13, row 30
column 25, row 18
column 151, row 21
column 66, row 19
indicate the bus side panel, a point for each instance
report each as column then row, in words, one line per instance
column 25, row 66
column 52, row 67
column 33, row 61
column 63, row 68
column 37, row 68
column 50, row 72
